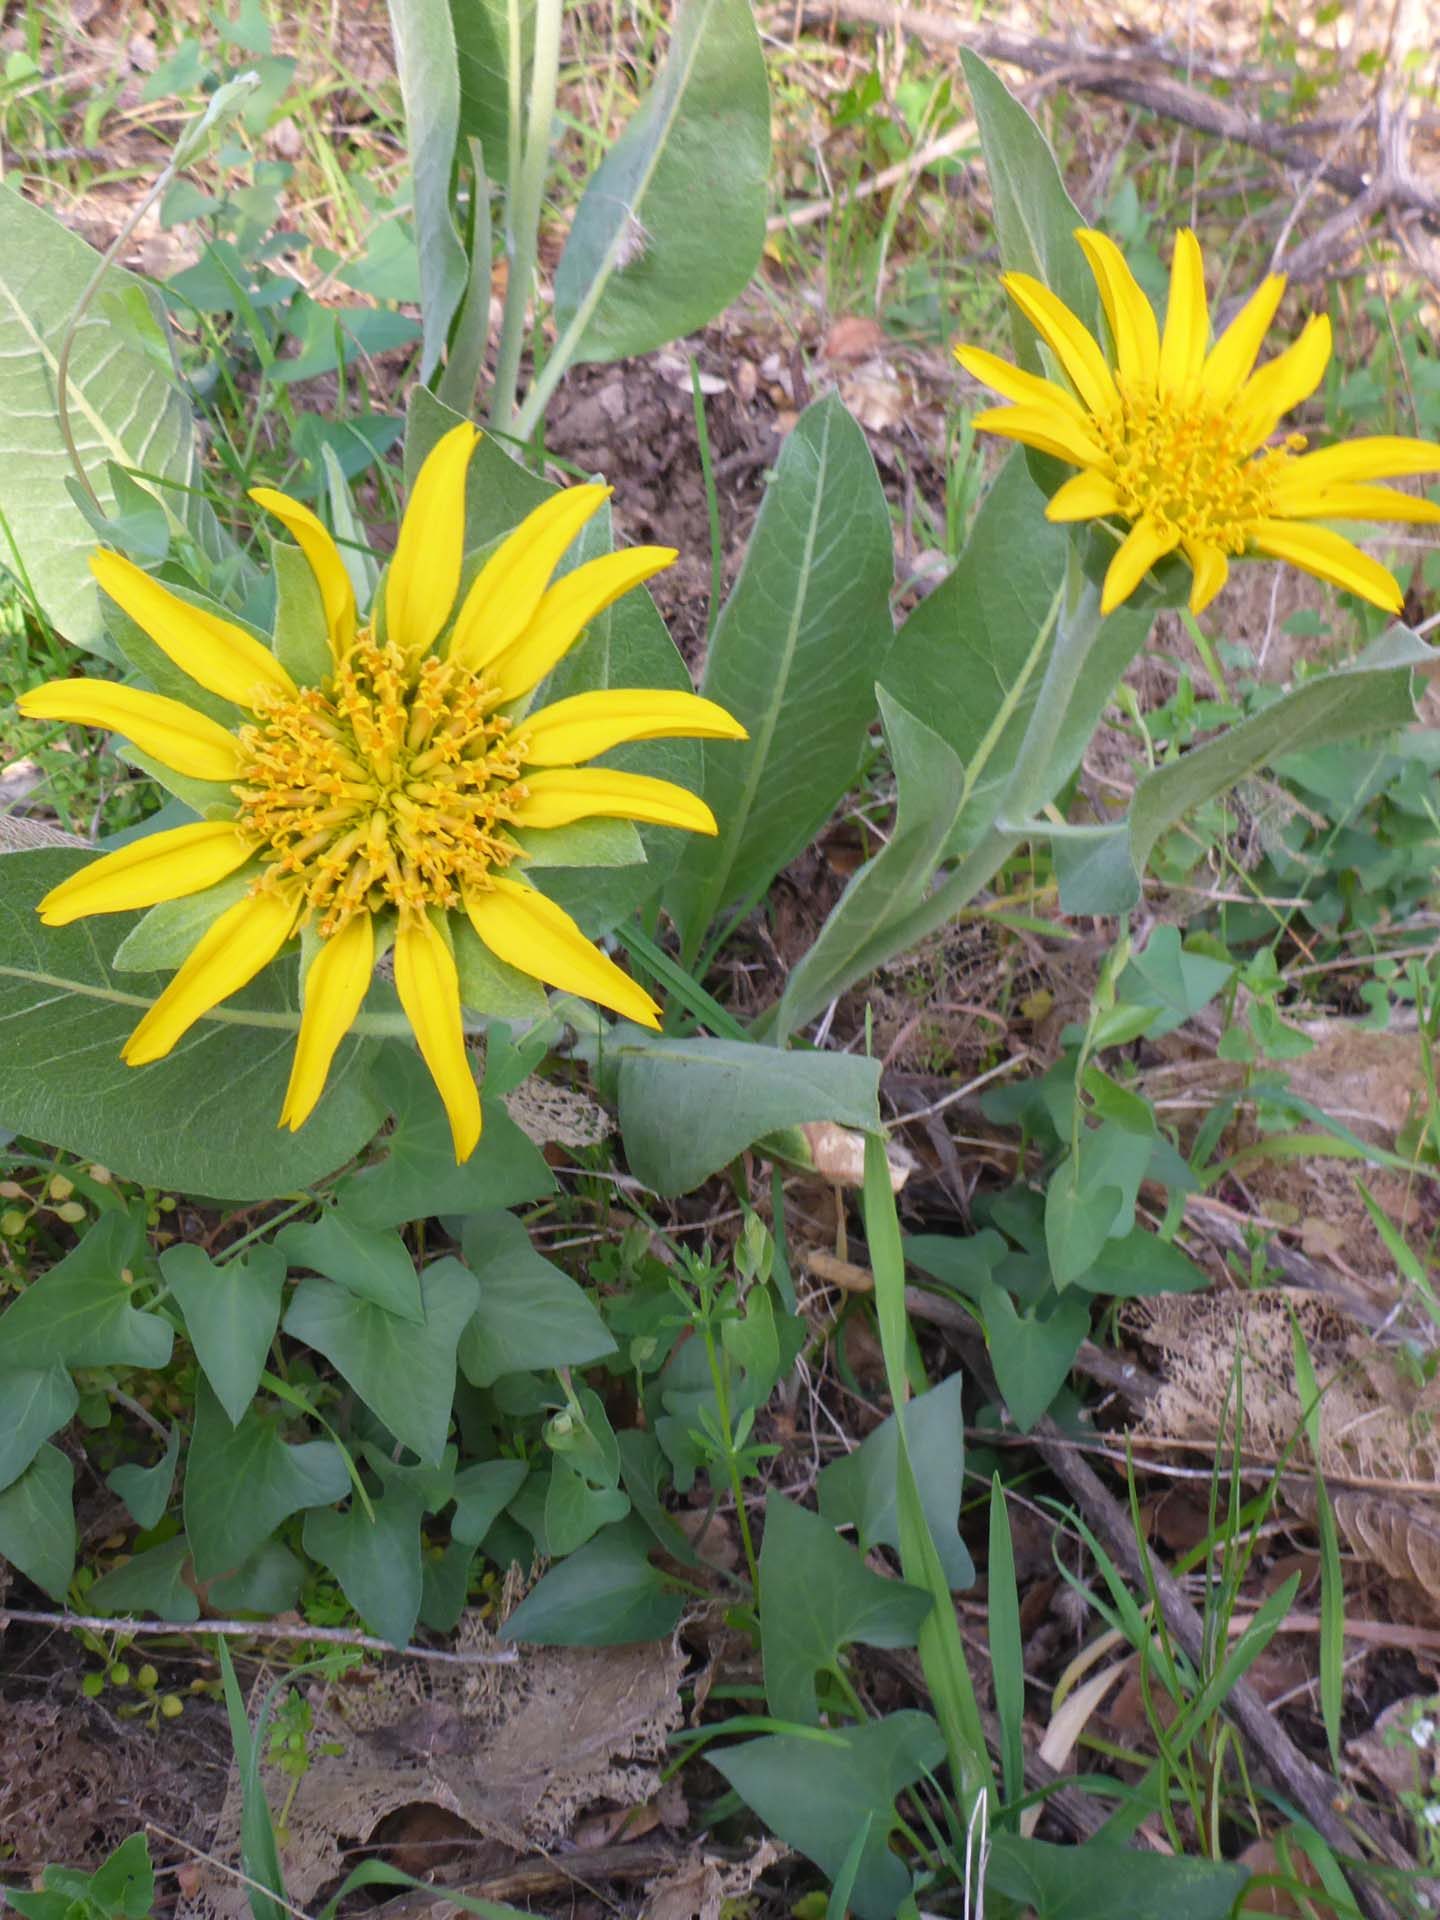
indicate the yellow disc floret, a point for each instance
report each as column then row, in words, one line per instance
column 383, row 786
column 1186, row 467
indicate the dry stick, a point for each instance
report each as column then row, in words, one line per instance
column 1313, row 1791
column 1117, row 78
column 250, row 1630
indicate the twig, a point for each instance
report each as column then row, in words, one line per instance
column 250, row 1630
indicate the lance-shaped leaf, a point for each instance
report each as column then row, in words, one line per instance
column 430, row 87
column 670, row 227
column 795, row 656
column 482, row 46
column 124, row 407
column 1377, row 694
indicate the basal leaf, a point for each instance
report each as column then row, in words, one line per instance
column 795, row 657
column 817, row 1596
column 654, row 249
column 67, row 1015
column 1100, row 1882
column 482, row 46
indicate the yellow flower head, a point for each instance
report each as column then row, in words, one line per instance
column 1170, row 433
column 382, row 801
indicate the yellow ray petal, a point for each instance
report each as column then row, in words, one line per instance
column 1349, row 502
column 561, row 794
column 1071, row 341
column 1187, row 316
column 1026, row 389
column 172, row 733
column 216, row 654
column 429, row 990
column 335, row 985
column 1212, row 569
column 1132, row 318
column 244, row 939
column 312, row 536
column 424, row 574
column 1231, row 359
column 507, row 590
column 1138, row 552
column 159, row 866
column 584, row 724
column 1375, row 457
column 529, row 931
column 1329, row 556
column 1040, row 427
column 1282, row 383
column 567, row 608
column 1085, row 496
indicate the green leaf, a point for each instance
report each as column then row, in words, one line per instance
column 1099, row 1882
column 818, row 1595
column 482, row 1492
column 499, row 492
column 301, row 641
column 1091, row 1198
column 1035, row 218
column 404, row 1373
column 123, row 1885
column 124, row 407
column 231, row 1313
column 815, row 1796
column 66, row 1017
column 430, row 88
column 575, row 1511
column 241, row 1482
column 654, row 249
column 860, row 1490
column 162, row 937
column 1141, row 1264
column 377, row 1562
column 489, row 986
column 1374, row 696
column 34, row 1403
column 146, row 1490
column 795, row 656
column 1167, row 975
column 37, row 1522
column 687, row 1107
column 1031, row 1353
column 927, row 773
column 531, row 1316
column 373, row 1262
column 268, row 1582
column 79, row 1313
column 606, row 1595
column 419, row 1177
column 150, row 1582
column 482, row 44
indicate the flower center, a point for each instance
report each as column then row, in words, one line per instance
column 381, row 787
column 1183, row 464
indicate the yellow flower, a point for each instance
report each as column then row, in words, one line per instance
column 1170, row 435
column 373, row 806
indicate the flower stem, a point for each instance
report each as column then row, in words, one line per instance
column 524, row 196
